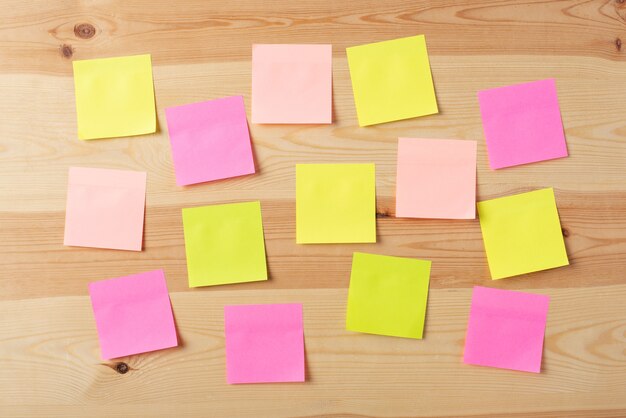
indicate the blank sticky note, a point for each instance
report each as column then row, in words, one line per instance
column 506, row 329
column 388, row 295
column 133, row 314
column 114, row 97
column 391, row 80
column 224, row 244
column 522, row 123
column 210, row 140
column 291, row 83
column 335, row 203
column 264, row 343
column 522, row 233
column 105, row 208
column 436, row 178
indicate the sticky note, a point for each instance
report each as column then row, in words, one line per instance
column 391, row 80
column 388, row 295
column 133, row 314
column 114, row 97
column 210, row 140
column 264, row 343
column 506, row 329
column 105, row 208
column 522, row 233
column 335, row 203
column 436, row 178
column 522, row 123
column 224, row 244
column 291, row 83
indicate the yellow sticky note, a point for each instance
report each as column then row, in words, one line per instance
column 388, row 295
column 224, row 244
column 335, row 203
column 522, row 233
column 114, row 97
column 391, row 80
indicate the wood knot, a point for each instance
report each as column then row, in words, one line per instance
column 66, row 51
column 618, row 44
column 383, row 213
column 565, row 232
column 619, row 1
column 84, row 30
column 122, row 368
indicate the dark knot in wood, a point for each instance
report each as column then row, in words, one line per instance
column 84, row 30
column 565, row 232
column 122, row 368
column 618, row 44
column 67, row 51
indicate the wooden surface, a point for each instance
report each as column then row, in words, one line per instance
column 49, row 354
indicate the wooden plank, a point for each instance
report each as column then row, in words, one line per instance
column 53, row 342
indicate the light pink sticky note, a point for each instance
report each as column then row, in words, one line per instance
column 210, row 140
column 522, row 123
column 105, row 208
column 436, row 178
column 291, row 83
column 506, row 329
column 264, row 343
column 133, row 314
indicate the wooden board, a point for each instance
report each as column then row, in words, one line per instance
column 49, row 355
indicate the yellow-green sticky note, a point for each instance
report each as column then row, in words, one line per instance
column 522, row 233
column 335, row 203
column 114, row 97
column 388, row 295
column 224, row 244
column 391, row 80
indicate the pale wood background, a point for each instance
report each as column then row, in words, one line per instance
column 49, row 354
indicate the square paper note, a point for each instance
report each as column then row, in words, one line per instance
column 436, row 179
column 522, row 233
column 292, row 83
column 114, row 97
column 388, row 295
column 224, row 244
column 506, row 329
column 335, row 203
column 105, row 208
column 264, row 343
column 391, row 80
column 133, row 314
column 210, row 140
column 522, row 123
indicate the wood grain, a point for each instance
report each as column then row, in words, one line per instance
column 201, row 50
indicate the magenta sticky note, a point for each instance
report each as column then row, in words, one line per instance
column 210, row 140
column 522, row 123
column 133, row 314
column 506, row 329
column 264, row 343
